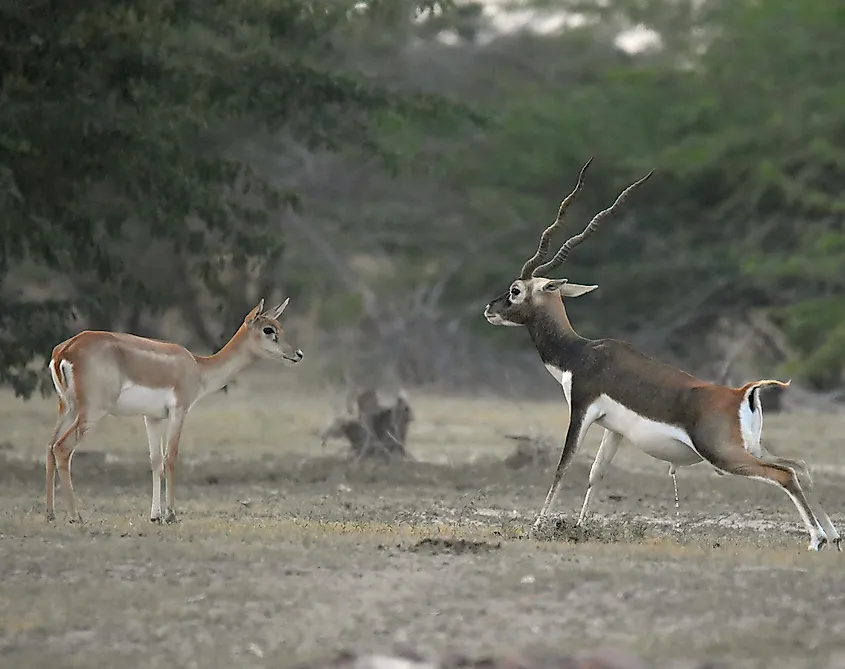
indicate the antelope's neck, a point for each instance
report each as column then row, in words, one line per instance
column 219, row 369
column 553, row 337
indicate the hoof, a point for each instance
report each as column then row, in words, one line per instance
column 156, row 520
column 818, row 544
column 838, row 543
column 50, row 516
column 536, row 531
column 170, row 516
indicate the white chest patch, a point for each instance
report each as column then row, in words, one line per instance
column 659, row 440
column 564, row 379
column 140, row 400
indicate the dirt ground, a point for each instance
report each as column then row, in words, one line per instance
column 286, row 554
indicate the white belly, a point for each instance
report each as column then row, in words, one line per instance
column 659, row 440
column 140, row 400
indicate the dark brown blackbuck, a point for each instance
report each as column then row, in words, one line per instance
column 669, row 414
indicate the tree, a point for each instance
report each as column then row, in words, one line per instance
column 737, row 105
column 115, row 119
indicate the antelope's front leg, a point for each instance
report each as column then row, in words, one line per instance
column 174, row 433
column 578, row 426
column 607, row 451
column 155, row 433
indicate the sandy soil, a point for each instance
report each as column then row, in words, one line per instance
column 285, row 554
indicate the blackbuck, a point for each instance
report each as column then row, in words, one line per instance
column 100, row 373
column 667, row 413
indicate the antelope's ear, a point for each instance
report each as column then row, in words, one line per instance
column 554, row 285
column 256, row 311
column 278, row 311
column 576, row 290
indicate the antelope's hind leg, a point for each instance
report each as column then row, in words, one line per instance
column 830, row 531
column 743, row 463
column 800, row 467
column 62, row 455
column 66, row 418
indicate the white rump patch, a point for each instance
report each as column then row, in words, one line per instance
column 751, row 423
column 137, row 400
column 55, row 376
column 65, row 373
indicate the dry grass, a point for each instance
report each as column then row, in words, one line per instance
column 286, row 553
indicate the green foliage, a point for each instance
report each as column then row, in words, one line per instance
column 114, row 119
column 740, row 111
column 116, row 122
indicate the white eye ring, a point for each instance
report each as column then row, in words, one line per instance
column 515, row 291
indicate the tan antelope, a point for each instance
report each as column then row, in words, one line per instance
column 101, row 373
column 667, row 413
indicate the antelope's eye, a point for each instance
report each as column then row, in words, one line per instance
column 268, row 330
column 515, row 291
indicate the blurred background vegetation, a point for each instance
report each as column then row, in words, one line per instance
column 389, row 165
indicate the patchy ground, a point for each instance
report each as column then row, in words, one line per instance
column 286, row 555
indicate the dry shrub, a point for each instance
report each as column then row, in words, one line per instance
column 377, row 430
